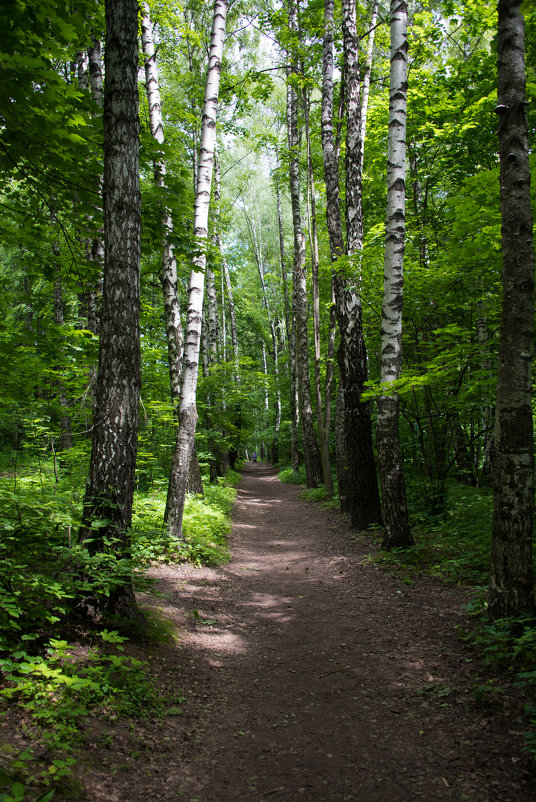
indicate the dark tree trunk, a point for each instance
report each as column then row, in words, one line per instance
column 311, row 451
column 363, row 495
column 290, row 331
column 110, row 485
column 511, row 588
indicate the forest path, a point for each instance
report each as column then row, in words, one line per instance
column 309, row 674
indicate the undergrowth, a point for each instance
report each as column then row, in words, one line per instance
column 290, row 476
column 316, row 494
column 43, row 570
column 510, row 645
column 55, row 692
column 454, row 547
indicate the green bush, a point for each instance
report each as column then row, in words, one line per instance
column 454, row 547
column 290, row 476
column 510, row 643
column 59, row 690
column 206, row 524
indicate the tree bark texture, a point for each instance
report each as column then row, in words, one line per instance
column 168, row 262
column 397, row 532
column 360, row 469
column 110, row 485
column 321, row 417
column 311, row 452
column 168, row 266
column 366, row 78
column 188, row 412
column 259, row 259
column 511, row 589
column 484, row 453
column 289, row 328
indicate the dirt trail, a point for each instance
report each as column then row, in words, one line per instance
column 310, row 675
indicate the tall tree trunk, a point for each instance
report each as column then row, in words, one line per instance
column 484, row 453
column 330, row 153
column 366, row 77
column 232, row 318
column 188, row 412
column 168, row 262
column 110, row 485
column 290, row 331
column 97, row 246
column 323, row 430
column 511, row 589
column 397, row 533
column 363, row 496
column 311, row 452
column 210, row 358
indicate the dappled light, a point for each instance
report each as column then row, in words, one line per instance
column 266, row 401
column 315, row 695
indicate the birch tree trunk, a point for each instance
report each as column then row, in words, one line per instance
column 321, row 416
column 188, row 412
column 97, row 246
column 330, row 154
column 311, row 452
column 487, row 412
column 366, row 77
column 168, row 262
column 359, row 470
column 229, row 457
column 290, row 331
column 511, row 590
column 110, row 487
column 397, row 532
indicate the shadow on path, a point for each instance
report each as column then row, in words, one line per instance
column 311, row 675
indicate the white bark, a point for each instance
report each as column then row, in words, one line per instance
column 394, row 506
column 366, row 78
column 188, row 413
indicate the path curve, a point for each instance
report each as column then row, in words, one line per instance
column 311, row 675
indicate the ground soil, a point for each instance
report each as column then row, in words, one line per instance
column 310, row 674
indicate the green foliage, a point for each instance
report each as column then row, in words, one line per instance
column 454, row 547
column 206, row 524
column 510, row 644
column 290, row 476
column 62, row 688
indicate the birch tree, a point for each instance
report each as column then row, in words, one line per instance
column 512, row 589
column 290, row 330
column 311, row 452
column 258, row 254
column 323, row 417
column 168, row 262
column 394, row 505
column 110, row 488
column 356, row 471
column 188, row 412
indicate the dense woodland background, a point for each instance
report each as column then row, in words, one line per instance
column 51, row 265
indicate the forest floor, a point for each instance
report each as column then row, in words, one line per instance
column 309, row 674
